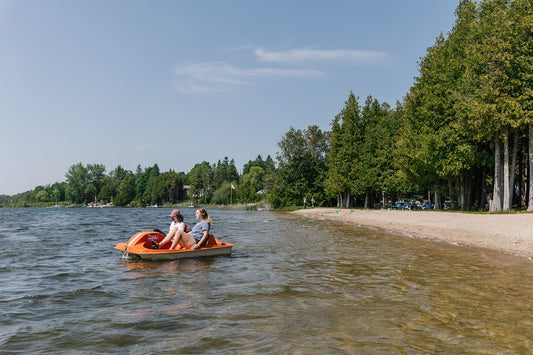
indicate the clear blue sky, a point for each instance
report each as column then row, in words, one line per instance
column 128, row 82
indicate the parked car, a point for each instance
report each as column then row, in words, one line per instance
column 411, row 205
column 402, row 206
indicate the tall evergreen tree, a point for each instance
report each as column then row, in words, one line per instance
column 345, row 141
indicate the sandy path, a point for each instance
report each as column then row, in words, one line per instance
column 510, row 233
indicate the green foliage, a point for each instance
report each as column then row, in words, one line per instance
column 301, row 168
column 126, row 191
column 267, row 165
column 200, row 179
column 361, row 162
column 142, row 183
column 345, row 144
column 255, row 178
column 377, row 168
column 163, row 188
column 223, row 172
column 223, row 195
column 77, row 177
column 106, row 194
column 474, row 85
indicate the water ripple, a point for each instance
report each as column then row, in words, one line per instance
column 285, row 289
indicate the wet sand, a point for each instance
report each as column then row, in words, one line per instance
column 508, row 233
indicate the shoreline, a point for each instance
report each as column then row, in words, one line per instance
column 506, row 233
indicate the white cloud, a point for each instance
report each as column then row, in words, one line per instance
column 219, row 76
column 306, row 55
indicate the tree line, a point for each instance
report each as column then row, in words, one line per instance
column 468, row 117
column 462, row 137
column 218, row 183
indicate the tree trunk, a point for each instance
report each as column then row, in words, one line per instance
column 469, row 192
column 366, row 199
column 437, row 200
column 530, row 175
column 483, row 189
column 347, row 200
column 496, row 202
column 450, row 189
column 461, row 187
column 506, row 187
column 524, row 182
column 513, row 169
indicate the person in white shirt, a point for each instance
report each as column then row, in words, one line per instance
column 176, row 225
column 199, row 234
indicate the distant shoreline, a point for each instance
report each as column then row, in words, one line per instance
column 258, row 206
column 507, row 233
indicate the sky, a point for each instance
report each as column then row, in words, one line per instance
column 176, row 83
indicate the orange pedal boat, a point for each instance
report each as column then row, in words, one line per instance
column 141, row 245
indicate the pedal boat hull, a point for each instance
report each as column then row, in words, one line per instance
column 140, row 245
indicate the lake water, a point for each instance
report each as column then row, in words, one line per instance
column 291, row 286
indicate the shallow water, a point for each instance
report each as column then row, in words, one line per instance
column 292, row 285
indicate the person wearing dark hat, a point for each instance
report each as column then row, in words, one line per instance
column 176, row 225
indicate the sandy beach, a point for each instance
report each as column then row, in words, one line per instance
column 507, row 233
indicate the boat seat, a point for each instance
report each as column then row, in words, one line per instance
column 211, row 240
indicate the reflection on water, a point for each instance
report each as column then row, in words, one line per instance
column 140, row 268
column 283, row 290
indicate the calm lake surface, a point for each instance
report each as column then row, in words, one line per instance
column 291, row 286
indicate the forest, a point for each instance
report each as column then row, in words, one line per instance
column 461, row 138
